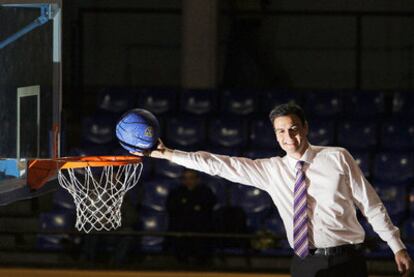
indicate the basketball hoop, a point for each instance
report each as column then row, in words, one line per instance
column 97, row 184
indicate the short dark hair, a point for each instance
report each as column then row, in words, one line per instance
column 290, row 108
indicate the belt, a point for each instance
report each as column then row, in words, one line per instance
column 336, row 250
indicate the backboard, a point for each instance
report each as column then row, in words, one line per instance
column 30, row 90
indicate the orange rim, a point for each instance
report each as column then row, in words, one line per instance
column 42, row 170
column 84, row 161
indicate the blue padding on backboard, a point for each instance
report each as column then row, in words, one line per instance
column 9, row 167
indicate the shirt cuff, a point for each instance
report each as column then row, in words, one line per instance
column 396, row 244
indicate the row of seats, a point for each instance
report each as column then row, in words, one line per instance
column 257, row 207
column 152, row 193
column 398, row 198
column 190, row 132
column 249, row 101
column 384, row 148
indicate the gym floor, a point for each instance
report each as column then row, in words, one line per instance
column 91, row 273
column 16, row 272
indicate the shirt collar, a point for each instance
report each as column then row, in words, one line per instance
column 307, row 157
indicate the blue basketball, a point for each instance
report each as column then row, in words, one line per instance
column 138, row 130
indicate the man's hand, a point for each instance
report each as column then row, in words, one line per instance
column 160, row 152
column 404, row 262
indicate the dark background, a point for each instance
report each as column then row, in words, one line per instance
column 297, row 46
column 26, row 62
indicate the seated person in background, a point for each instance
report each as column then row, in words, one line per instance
column 190, row 209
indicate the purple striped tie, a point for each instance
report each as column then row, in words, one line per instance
column 300, row 216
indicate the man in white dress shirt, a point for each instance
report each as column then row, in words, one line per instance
column 332, row 185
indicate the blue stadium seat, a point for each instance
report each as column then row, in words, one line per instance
column 56, row 221
column 357, row 134
column 165, row 168
column 231, row 220
column 398, row 133
column 322, row 131
column 393, row 167
column 187, row 132
column 238, row 102
column 408, row 229
column 363, row 159
column 255, row 221
column 394, row 198
column 256, row 204
column 262, row 153
column 274, row 225
column 158, row 101
column 222, row 150
column 134, row 195
column 375, row 248
column 116, row 100
column 147, row 168
column 63, row 200
column 52, row 242
column 359, row 104
column 408, row 234
column 402, row 103
column 155, row 193
column 272, row 98
column 87, row 148
column 251, row 199
column 152, row 221
column 380, row 250
column 77, row 151
column 198, row 101
column 220, row 188
column 323, row 103
column 369, row 231
column 227, row 132
column 99, row 128
column 262, row 134
column 410, row 248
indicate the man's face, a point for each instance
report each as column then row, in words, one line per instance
column 291, row 134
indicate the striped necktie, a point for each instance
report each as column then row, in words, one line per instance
column 300, row 216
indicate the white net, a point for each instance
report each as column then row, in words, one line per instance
column 98, row 193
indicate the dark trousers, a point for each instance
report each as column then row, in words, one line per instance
column 348, row 264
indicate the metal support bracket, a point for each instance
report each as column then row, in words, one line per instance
column 47, row 12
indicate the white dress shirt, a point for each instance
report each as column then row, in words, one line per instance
column 335, row 185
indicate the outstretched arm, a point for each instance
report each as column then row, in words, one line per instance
column 235, row 169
